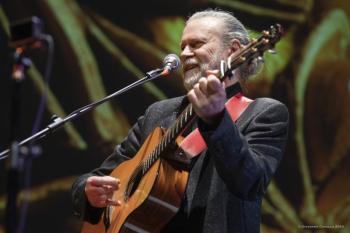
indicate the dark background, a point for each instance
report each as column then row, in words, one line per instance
column 101, row 46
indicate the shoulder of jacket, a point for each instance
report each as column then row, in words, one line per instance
column 271, row 106
column 170, row 104
column 266, row 102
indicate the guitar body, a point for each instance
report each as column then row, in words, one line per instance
column 148, row 203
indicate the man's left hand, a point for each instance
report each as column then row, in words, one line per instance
column 208, row 97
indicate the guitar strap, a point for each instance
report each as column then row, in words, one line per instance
column 193, row 144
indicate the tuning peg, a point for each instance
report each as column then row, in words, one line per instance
column 260, row 59
column 254, row 49
column 242, row 59
column 266, row 33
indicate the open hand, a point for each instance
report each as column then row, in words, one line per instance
column 99, row 190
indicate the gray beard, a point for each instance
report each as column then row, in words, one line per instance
column 191, row 77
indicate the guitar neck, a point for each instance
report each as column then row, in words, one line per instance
column 184, row 121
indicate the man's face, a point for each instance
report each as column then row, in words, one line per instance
column 202, row 49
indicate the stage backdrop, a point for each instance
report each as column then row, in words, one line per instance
column 101, row 46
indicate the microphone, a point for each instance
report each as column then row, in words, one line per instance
column 171, row 62
column 26, row 32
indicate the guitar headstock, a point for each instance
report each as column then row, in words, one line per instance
column 255, row 49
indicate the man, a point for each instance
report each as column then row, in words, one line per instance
column 228, row 180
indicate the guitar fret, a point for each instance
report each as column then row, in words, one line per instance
column 180, row 123
column 162, row 145
column 157, row 149
column 152, row 158
column 168, row 140
column 165, row 144
column 172, row 133
column 144, row 170
column 160, row 149
column 177, row 125
column 155, row 157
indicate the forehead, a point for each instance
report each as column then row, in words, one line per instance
column 202, row 28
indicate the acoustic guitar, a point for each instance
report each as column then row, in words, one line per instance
column 154, row 180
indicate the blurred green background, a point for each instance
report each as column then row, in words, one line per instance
column 101, row 46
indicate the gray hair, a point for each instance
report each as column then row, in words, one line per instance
column 233, row 29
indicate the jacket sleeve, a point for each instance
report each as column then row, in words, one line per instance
column 247, row 160
column 126, row 150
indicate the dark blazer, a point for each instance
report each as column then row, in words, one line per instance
column 242, row 158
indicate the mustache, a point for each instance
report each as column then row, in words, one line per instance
column 190, row 61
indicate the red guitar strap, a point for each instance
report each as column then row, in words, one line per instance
column 193, row 144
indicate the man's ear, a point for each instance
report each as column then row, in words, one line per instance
column 235, row 45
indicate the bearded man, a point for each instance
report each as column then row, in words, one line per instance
column 228, row 180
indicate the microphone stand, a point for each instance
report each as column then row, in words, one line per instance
column 58, row 122
column 14, row 165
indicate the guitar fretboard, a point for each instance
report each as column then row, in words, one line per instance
column 182, row 122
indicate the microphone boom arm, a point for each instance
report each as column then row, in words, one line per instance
column 58, row 122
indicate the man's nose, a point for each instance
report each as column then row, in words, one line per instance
column 186, row 52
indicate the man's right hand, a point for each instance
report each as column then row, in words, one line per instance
column 99, row 190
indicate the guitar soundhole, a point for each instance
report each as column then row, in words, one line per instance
column 133, row 184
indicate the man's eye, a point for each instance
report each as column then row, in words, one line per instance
column 197, row 44
column 193, row 45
